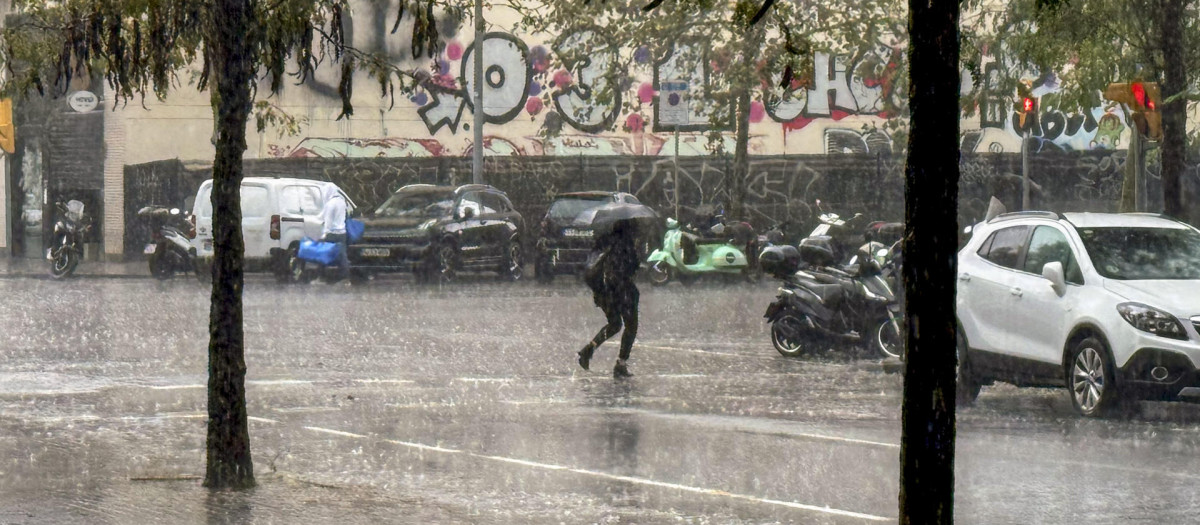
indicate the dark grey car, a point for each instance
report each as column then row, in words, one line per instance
column 437, row 231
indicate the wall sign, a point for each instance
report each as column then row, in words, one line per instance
column 83, row 101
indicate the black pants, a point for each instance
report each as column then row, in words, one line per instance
column 620, row 308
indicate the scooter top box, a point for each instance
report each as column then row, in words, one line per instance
column 817, row 251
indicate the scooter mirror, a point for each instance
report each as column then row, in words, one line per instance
column 672, row 223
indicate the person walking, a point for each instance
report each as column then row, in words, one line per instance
column 333, row 218
column 611, row 268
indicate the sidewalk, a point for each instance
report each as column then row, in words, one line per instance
column 13, row 267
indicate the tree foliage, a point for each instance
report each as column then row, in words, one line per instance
column 1085, row 44
column 735, row 52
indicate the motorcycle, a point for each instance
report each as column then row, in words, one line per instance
column 66, row 246
column 686, row 256
column 823, row 304
column 171, row 250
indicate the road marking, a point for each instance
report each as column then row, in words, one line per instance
column 176, row 387
column 272, row 382
column 768, row 426
column 624, row 479
column 484, row 379
column 387, row 381
column 261, row 419
column 335, row 432
column 706, row 352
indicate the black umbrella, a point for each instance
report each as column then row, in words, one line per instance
column 604, row 218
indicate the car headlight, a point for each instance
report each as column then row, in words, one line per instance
column 1152, row 320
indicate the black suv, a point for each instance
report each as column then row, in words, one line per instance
column 436, row 231
column 563, row 245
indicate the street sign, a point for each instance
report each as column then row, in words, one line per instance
column 83, row 101
column 673, row 103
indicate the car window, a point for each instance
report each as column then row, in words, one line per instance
column 470, row 201
column 1048, row 244
column 300, row 200
column 632, row 200
column 1004, row 248
column 1128, row 253
column 492, row 203
column 255, row 202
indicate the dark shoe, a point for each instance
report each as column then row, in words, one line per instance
column 585, row 357
column 621, row 371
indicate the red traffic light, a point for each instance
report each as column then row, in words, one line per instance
column 1027, row 104
column 1139, row 93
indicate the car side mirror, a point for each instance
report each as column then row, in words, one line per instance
column 466, row 213
column 1053, row 272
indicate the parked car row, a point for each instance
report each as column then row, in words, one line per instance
column 432, row 231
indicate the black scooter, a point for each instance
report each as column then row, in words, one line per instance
column 66, row 246
column 171, row 249
column 823, row 305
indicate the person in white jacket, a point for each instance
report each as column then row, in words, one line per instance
column 333, row 216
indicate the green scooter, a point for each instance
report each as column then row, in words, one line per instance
column 686, row 257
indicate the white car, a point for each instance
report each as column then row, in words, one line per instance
column 1105, row 304
column 276, row 214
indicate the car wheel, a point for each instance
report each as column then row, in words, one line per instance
column 787, row 334
column 1091, row 378
column 660, row 274
column 292, row 268
column 514, row 267
column 967, row 385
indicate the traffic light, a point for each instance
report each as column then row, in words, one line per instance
column 1025, row 110
column 1142, row 99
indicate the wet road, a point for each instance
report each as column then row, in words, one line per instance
column 400, row 403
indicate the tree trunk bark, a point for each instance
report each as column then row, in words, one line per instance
column 741, row 158
column 931, row 203
column 1174, row 114
column 228, row 460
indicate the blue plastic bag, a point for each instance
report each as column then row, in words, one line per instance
column 319, row 252
column 354, row 229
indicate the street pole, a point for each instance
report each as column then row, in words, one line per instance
column 675, row 173
column 1025, row 171
column 477, row 151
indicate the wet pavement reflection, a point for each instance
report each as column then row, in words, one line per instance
column 411, row 404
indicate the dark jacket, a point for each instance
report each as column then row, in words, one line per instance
column 611, row 269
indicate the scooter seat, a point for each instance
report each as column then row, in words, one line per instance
column 829, row 293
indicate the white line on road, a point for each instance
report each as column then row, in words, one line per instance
column 261, row 419
column 755, row 425
column 706, row 352
column 624, row 479
column 335, row 432
column 272, row 382
column 175, row 387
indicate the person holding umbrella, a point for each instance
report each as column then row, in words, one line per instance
column 610, row 272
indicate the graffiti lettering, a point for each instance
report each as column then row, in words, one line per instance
column 506, row 75
column 576, row 104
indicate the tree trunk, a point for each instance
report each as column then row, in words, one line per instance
column 229, row 464
column 741, row 158
column 931, row 203
column 1174, row 114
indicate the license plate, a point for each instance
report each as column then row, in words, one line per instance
column 376, row 252
column 149, row 249
column 208, row 246
column 572, row 232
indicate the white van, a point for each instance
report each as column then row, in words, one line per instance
column 276, row 214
